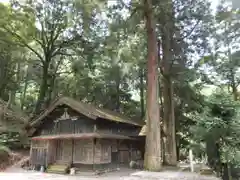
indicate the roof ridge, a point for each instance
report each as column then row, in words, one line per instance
column 86, row 109
column 52, row 103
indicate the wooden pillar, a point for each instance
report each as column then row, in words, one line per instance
column 191, row 160
column 117, row 149
column 31, row 163
column 48, row 153
column 72, row 152
column 131, row 151
column 94, row 143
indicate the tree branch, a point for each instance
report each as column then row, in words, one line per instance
column 190, row 33
column 54, row 37
column 42, row 33
column 64, row 44
column 39, row 42
column 24, row 43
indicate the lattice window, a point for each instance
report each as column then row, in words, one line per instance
column 83, row 151
column 39, row 144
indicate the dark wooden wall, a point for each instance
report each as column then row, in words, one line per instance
column 68, row 126
column 84, row 151
column 106, row 126
column 83, row 124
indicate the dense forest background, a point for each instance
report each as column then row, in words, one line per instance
column 96, row 51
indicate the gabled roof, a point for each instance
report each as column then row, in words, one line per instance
column 85, row 109
column 143, row 131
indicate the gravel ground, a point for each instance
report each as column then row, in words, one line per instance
column 21, row 174
column 168, row 175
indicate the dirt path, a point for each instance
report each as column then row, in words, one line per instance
column 120, row 175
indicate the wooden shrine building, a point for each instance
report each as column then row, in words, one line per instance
column 78, row 134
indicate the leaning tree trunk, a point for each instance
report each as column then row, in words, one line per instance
column 153, row 159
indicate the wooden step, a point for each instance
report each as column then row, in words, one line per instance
column 206, row 171
column 56, row 172
column 58, row 168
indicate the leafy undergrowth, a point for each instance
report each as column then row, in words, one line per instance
column 8, row 159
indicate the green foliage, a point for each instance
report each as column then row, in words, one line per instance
column 219, row 122
column 4, row 149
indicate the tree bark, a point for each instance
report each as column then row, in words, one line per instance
column 50, row 89
column 234, row 86
column 153, row 159
column 232, row 73
column 141, row 88
column 167, row 25
column 23, row 95
column 43, row 88
column 229, row 171
column 4, row 76
column 5, row 108
column 118, row 101
column 170, row 148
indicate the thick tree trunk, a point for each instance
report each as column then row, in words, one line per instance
column 141, row 88
column 170, row 148
column 167, row 24
column 4, row 76
column 233, row 85
column 177, row 129
column 229, row 171
column 5, row 108
column 50, row 90
column 51, row 83
column 118, row 101
column 43, row 88
column 159, row 79
column 17, row 78
column 153, row 159
column 23, row 95
column 232, row 73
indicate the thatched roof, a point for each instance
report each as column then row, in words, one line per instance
column 85, row 109
column 15, row 119
column 80, row 136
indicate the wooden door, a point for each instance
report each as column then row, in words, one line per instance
column 83, row 151
column 64, row 151
column 114, row 152
column 124, row 156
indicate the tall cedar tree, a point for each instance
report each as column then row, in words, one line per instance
column 153, row 160
column 167, row 28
